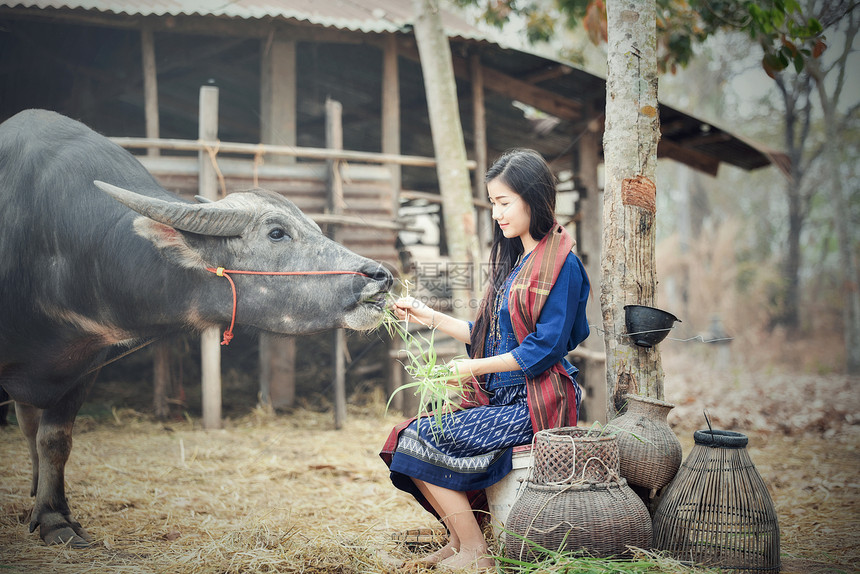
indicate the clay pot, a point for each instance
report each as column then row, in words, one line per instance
column 649, row 451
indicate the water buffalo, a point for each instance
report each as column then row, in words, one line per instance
column 84, row 268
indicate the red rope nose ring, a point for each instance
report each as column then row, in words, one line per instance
column 221, row 272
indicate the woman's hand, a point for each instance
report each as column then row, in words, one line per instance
column 413, row 310
column 464, row 369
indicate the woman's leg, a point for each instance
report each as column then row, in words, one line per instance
column 453, row 506
column 453, row 544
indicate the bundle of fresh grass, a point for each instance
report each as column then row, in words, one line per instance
column 439, row 387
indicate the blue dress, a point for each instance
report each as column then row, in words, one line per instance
column 471, row 449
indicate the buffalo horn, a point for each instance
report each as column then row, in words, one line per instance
column 204, row 219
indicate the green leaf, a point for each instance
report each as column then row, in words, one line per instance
column 814, row 26
column 756, row 12
column 799, row 62
column 772, row 64
column 777, row 18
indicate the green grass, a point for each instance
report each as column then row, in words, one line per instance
column 437, row 385
column 569, row 562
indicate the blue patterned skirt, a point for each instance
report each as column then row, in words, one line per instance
column 469, row 449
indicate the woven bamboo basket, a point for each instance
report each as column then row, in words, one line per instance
column 597, row 519
column 649, row 451
column 717, row 511
column 570, row 455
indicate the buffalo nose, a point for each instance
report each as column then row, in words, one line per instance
column 378, row 272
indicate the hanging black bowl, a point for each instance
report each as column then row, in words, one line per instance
column 647, row 326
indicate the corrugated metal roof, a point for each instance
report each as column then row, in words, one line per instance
column 575, row 86
column 356, row 15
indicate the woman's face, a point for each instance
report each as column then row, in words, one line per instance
column 510, row 212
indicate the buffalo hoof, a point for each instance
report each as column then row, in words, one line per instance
column 58, row 530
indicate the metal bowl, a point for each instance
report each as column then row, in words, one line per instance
column 647, row 326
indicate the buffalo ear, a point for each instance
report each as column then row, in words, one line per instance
column 170, row 242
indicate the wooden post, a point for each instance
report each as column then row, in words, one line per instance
column 479, row 127
column 278, row 126
column 391, row 115
column 590, row 245
column 161, row 379
column 454, row 184
column 210, row 361
column 210, row 341
column 150, row 86
column 391, row 145
column 161, row 349
column 483, row 217
column 335, row 205
column 278, row 91
column 277, row 366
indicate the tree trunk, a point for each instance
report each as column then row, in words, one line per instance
column 447, row 131
column 848, row 260
column 835, row 126
column 629, row 204
column 789, row 316
column 796, row 96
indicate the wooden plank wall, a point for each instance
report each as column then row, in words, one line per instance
column 366, row 188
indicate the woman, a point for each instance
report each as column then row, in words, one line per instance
column 531, row 316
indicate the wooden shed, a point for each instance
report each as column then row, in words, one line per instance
column 133, row 70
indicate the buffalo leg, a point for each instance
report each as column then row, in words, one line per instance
column 28, row 420
column 4, row 406
column 53, row 445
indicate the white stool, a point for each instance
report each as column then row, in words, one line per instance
column 502, row 495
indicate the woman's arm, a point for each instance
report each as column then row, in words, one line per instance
column 562, row 323
column 477, row 367
column 562, row 319
column 411, row 309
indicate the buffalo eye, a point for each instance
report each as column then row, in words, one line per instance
column 278, row 234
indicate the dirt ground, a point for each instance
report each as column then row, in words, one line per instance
column 287, row 493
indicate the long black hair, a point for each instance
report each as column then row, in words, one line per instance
column 528, row 175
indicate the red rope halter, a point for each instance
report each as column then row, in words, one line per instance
column 221, row 272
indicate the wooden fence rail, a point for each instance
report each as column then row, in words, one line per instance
column 263, row 149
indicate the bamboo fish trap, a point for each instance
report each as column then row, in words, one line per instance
column 717, row 511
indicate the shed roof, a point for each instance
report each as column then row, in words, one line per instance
column 356, row 15
column 555, row 87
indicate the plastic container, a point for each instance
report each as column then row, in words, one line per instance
column 647, row 326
